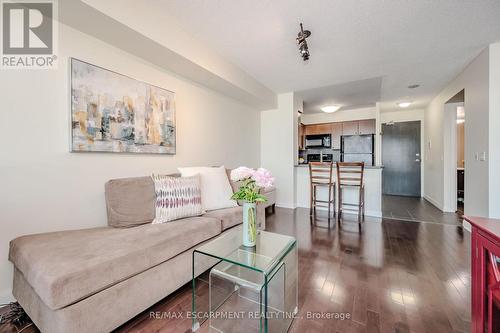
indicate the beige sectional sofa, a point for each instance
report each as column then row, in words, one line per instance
column 270, row 194
column 94, row 280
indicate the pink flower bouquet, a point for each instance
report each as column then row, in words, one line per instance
column 252, row 181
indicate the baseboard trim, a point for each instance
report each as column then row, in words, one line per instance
column 370, row 213
column 467, row 226
column 282, row 205
column 6, row 296
column 434, row 203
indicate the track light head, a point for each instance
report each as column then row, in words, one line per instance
column 302, row 42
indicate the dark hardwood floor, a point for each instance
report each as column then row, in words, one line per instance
column 416, row 209
column 393, row 276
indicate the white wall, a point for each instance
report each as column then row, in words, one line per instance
column 298, row 109
column 409, row 115
column 46, row 188
column 278, row 149
column 474, row 79
column 494, row 133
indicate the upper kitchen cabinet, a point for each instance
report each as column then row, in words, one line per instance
column 310, row 129
column 357, row 127
column 336, row 135
column 350, row 128
column 360, row 127
column 317, row 129
column 367, row 126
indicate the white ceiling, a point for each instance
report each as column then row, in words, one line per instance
column 404, row 42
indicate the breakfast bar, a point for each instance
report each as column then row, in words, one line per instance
column 373, row 189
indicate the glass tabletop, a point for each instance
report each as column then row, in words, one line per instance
column 270, row 249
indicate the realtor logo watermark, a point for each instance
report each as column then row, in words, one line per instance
column 29, row 34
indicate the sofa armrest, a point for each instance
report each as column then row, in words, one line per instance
column 261, row 216
column 270, row 194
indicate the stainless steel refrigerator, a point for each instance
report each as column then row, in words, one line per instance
column 358, row 148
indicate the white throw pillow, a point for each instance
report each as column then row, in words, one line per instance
column 176, row 198
column 216, row 190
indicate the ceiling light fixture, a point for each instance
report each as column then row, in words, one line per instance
column 330, row 108
column 302, row 43
column 404, row 104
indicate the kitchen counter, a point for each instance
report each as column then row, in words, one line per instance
column 373, row 190
column 334, row 166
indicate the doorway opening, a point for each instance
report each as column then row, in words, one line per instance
column 460, row 159
column 454, row 153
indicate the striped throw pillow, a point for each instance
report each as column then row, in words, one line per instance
column 176, row 197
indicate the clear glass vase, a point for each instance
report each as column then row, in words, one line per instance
column 249, row 224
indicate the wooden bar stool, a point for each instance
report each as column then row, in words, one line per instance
column 321, row 174
column 350, row 175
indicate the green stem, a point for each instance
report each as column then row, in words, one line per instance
column 251, row 224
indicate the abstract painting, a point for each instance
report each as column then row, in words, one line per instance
column 111, row 112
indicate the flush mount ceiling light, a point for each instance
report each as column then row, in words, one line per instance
column 330, row 108
column 404, row 104
column 302, row 43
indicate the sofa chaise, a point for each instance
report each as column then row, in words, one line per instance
column 94, row 280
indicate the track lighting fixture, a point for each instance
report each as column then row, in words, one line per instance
column 302, row 43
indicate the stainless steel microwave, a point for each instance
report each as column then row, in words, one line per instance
column 319, row 141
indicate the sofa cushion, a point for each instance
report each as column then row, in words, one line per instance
column 130, row 201
column 176, row 198
column 234, row 185
column 216, row 190
column 67, row 266
column 229, row 217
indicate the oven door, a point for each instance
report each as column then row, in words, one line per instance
column 313, row 158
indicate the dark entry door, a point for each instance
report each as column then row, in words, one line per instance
column 401, row 158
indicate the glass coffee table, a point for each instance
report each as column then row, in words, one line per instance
column 245, row 289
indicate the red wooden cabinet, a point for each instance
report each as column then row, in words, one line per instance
column 485, row 241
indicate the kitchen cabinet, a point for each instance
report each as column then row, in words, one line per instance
column 310, row 129
column 317, row 129
column 366, row 126
column 336, row 130
column 360, row 127
column 357, row 127
column 350, row 128
column 323, row 128
column 301, row 138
